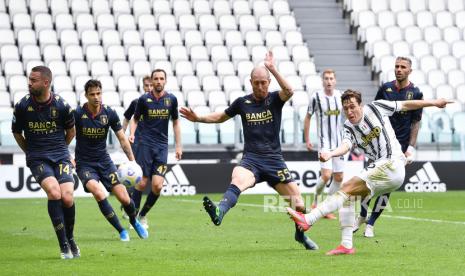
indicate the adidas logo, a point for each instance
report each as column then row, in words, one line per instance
column 176, row 183
column 425, row 180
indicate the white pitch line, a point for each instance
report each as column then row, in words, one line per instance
column 384, row 215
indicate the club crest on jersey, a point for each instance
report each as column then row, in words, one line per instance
column 53, row 113
column 104, row 119
column 167, row 101
column 409, row 95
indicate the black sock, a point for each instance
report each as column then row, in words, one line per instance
column 229, row 199
column 130, row 209
column 364, row 207
column 137, row 197
column 378, row 208
column 69, row 216
column 149, row 202
column 130, row 191
column 110, row 215
column 55, row 211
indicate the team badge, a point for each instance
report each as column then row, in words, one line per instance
column 104, row 119
column 53, row 113
column 409, row 95
column 167, row 102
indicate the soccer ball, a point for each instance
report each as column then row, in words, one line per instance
column 129, row 174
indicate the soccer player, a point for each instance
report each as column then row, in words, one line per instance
column 262, row 159
column 93, row 163
column 156, row 108
column 147, row 86
column 48, row 126
column 327, row 107
column 406, row 125
column 129, row 112
column 368, row 128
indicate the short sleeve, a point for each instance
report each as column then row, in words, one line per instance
column 139, row 110
column 348, row 137
column 312, row 106
column 174, row 108
column 380, row 94
column 387, row 108
column 17, row 123
column 114, row 120
column 131, row 109
column 68, row 116
column 234, row 108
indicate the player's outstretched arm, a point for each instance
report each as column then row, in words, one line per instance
column 177, row 139
column 70, row 134
column 212, row 118
column 123, row 141
column 341, row 150
column 286, row 89
column 21, row 141
column 417, row 104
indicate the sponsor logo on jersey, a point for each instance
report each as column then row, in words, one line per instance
column 425, row 180
column 259, row 117
column 374, row 133
column 332, row 112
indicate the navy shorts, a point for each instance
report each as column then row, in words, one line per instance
column 61, row 170
column 104, row 172
column 152, row 160
column 270, row 169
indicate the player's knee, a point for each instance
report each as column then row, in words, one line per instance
column 326, row 177
column 99, row 195
column 67, row 198
column 54, row 194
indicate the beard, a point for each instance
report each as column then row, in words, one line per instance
column 158, row 89
column 35, row 92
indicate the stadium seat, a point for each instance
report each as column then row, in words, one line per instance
column 204, row 68
column 440, row 124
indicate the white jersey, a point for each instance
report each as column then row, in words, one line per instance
column 374, row 133
column 330, row 118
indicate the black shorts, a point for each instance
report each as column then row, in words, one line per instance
column 270, row 169
column 61, row 170
column 104, row 172
column 152, row 160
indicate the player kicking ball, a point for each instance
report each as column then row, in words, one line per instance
column 93, row 162
column 367, row 127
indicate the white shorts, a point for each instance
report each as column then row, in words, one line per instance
column 335, row 164
column 384, row 176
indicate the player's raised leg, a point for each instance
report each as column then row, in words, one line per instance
column 242, row 179
column 291, row 193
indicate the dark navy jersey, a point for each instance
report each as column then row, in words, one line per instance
column 92, row 131
column 261, row 121
column 156, row 114
column 401, row 121
column 128, row 115
column 44, row 126
column 131, row 109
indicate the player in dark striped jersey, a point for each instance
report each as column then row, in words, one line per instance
column 368, row 128
column 406, row 126
column 93, row 163
column 43, row 127
column 156, row 109
column 262, row 159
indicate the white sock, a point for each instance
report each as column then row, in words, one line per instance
column 331, row 204
column 334, row 187
column 319, row 188
column 347, row 220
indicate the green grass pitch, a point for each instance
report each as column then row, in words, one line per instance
column 423, row 234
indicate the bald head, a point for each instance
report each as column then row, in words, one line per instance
column 260, row 72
